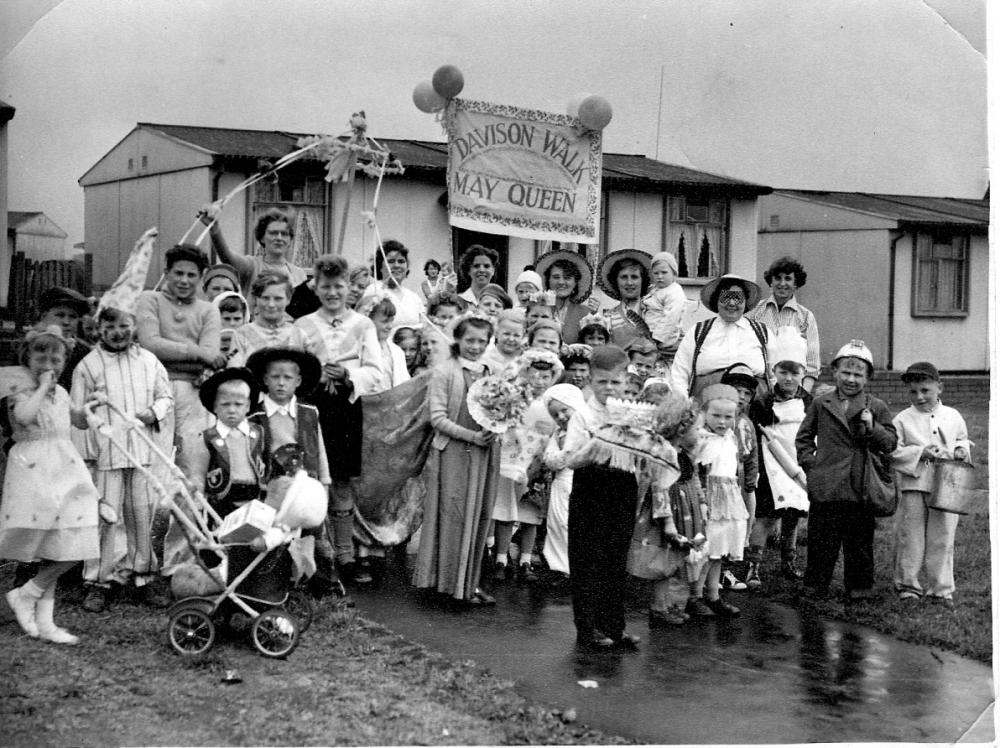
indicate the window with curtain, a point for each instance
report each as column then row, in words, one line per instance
column 940, row 275
column 306, row 197
column 697, row 235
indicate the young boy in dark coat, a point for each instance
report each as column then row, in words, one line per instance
column 831, row 443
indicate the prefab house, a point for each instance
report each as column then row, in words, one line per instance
column 908, row 275
column 160, row 175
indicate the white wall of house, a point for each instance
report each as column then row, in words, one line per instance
column 117, row 214
column 956, row 343
column 847, row 256
column 40, row 239
column 847, row 286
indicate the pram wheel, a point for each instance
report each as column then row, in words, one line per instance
column 192, row 632
column 300, row 606
column 275, row 633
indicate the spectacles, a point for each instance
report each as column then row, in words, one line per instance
column 278, row 233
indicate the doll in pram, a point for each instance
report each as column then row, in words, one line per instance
column 240, row 564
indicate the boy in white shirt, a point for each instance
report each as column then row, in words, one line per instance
column 926, row 432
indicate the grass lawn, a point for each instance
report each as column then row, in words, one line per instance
column 966, row 630
column 350, row 682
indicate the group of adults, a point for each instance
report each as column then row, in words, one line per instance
column 738, row 332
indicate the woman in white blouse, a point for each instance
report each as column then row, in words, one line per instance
column 392, row 271
column 711, row 346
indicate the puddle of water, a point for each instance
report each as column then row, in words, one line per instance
column 773, row 675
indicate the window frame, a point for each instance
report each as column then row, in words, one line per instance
column 935, row 238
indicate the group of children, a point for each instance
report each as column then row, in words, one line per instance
column 743, row 460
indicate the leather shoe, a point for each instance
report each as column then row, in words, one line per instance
column 595, row 642
column 96, row 600
column 721, row 608
column 697, row 607
column 628, row 641
column 791, row 571
column 483, row 598
column 666, row 618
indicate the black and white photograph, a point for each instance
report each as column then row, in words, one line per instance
column 511, row 372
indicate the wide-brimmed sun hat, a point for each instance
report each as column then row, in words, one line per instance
column 710, row 291
column 610, row 285
column 586, row 282
column 309, row 366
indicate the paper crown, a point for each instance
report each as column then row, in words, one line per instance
column 789, row 345
column 124, row 292
column 630, row 413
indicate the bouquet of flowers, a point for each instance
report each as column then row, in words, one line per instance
column 495, row 403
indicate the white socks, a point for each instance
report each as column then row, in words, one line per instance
column 47, row 628
column 22, row 601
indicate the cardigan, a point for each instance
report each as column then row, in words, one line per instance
column 445, row 393
column 831, row 444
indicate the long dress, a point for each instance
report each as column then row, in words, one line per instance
column 49, row 508
column 461, row 482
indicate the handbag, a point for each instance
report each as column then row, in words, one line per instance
column 879, row 484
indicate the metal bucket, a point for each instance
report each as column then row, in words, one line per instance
column 953, row 486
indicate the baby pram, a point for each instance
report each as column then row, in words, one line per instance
column 230, row 578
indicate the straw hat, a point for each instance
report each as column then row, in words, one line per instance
column 709, row 292
column 586, row 283
column 608, row 284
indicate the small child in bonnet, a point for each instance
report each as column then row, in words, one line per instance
column 664, row 305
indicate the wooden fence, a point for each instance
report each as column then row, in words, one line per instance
column 29, row 278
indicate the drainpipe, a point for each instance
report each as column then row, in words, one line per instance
column 896, row 236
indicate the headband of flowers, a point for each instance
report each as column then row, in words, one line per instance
column 579, row 350
column 548, row 298
column 473, row 313
column 534, row 356
column 50, row 330
column 370, row 300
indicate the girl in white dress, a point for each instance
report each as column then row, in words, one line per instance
column 50, row 505
column 727, row 513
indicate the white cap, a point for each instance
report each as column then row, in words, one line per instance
column 530, row 276
column 855, row 349
column 789, row 345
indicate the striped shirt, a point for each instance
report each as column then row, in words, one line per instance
column 349, row 340
column 135, row 381
column 797, row 316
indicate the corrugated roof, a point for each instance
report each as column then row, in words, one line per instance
column 620, row 169
column 908, row 209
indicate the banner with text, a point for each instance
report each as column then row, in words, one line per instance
column 522, row 172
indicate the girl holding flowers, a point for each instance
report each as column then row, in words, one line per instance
column 520, row 466
column 461, row 474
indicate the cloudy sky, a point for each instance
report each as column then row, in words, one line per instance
column 886, row 96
